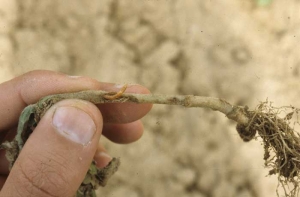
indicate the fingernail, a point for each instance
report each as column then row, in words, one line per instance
column 102, row 159
column 74, row 77
column 74, row 124
column 118, row 85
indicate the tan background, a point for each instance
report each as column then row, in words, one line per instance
column 231, row 49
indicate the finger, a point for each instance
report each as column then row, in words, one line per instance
column 32, row 86
column 118, row 133
column 102, row 158
column 124, row 112
column 57, row 155
column 2, row 181
column 123, row 133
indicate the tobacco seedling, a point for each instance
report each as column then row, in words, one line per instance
column 281, row 142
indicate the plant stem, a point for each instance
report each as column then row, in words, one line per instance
column 236, row 113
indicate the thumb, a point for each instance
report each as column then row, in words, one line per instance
column 57, row 155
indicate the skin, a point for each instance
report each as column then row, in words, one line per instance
column 120, row 123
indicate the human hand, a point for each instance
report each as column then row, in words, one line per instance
column 56, row 157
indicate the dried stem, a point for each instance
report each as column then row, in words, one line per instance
column 235, row 113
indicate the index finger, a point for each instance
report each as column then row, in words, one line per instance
column 27, row 89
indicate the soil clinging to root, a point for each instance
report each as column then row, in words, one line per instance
column 276, row 127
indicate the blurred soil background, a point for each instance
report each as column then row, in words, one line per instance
column 237, row 50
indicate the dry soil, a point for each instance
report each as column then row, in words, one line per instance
column 231, row 49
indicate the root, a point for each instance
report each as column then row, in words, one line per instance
column 281, row 142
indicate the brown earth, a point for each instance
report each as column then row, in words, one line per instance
column 234, row 49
